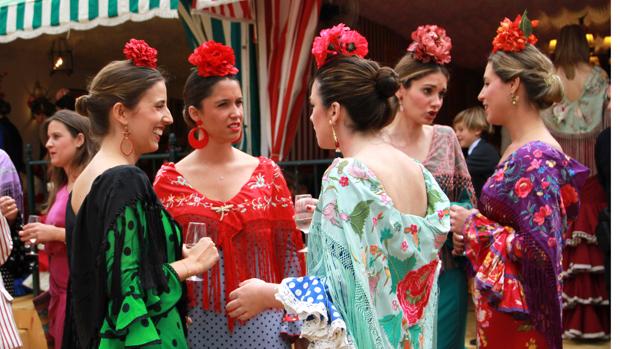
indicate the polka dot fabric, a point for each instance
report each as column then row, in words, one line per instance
column 209, row 329
column 311, row 289
column 145, row 319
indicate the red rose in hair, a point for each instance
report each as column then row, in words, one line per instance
column 140, row 53
column 353, row 43
column 213, row 59
column 430, row 43
column 523, row 187
column 511, row 37
column 336, row 40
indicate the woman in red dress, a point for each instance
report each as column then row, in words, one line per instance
column 243, row 201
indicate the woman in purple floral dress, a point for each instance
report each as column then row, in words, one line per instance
column 515, row 242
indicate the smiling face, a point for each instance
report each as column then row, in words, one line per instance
column 423, row 99
column 320, row 119
column 465, row 135
column 495, row 97
column 61, row 144
column 221, row 112
column 149, row 118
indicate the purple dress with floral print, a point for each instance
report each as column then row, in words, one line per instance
column 515, row 247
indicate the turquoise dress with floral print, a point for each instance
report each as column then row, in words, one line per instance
column 372, row 269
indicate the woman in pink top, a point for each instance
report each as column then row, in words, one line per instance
column 70, row 148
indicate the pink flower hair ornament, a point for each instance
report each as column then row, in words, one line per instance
column 213, row 59
column 140, row 54
column 338, row 40
column 430, row 43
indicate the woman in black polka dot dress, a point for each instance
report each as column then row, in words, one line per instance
column 127, row 265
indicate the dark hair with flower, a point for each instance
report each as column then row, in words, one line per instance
column 213, row 59
column 338, row 40
column 430, row 43
column 140, row 54
column 513, row 36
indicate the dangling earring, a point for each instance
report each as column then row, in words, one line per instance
column 195, row 142
column 126, row 142
column 400, row 105
column 514, row 99
column 335, row 139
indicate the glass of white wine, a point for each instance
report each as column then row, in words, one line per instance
column 195, row 232
column 33, row 246
column 303, row 217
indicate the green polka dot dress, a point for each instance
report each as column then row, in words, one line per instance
column 145, row 319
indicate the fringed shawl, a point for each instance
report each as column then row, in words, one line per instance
column 110, row 194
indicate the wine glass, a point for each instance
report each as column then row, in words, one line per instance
column 33, row 246
column 195, row 232
column 303, row 217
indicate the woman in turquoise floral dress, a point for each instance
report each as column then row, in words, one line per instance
column 379, row 223
column 126, row 262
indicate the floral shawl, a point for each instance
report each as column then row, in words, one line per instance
column 530, row 197
column 379, row 267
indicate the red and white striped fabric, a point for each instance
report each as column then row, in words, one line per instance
column 9, row 337
column 238, row 10
column 285, row 31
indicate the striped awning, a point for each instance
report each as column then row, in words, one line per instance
column 237, row 10
column 30, row 18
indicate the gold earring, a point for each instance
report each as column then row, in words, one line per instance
column 126, row 144
column 400, row 106
column 335, row 138
column 514, row 99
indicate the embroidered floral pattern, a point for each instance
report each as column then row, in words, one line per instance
column 396, row 253
column 515, row 239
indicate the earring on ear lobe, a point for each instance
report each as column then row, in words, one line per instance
column 335, row 139
column 514, row 99
column 194, row 141
column 126, row 143
column 400, row 105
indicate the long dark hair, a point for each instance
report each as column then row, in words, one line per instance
column 75, row 124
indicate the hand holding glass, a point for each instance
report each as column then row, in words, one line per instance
column 33, row 252
column 303, row 217
column 195, row 232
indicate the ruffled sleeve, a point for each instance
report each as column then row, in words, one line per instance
column 136, row 319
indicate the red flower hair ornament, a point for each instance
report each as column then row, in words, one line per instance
column 213, row 59
column 338, row 40
column 140, row 54
column 430, row 43
column 513, row 36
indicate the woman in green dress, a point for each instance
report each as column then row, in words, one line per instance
column 379, row 222
column 127, row 265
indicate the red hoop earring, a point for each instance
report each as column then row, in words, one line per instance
column 193, row 140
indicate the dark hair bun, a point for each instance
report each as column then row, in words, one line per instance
column 81, row 105
column 386, row 82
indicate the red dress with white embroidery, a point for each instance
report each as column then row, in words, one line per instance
column 254, row 231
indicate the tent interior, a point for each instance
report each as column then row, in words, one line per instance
column 386, row 24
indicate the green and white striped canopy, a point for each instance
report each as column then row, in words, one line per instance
column 30, row 18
